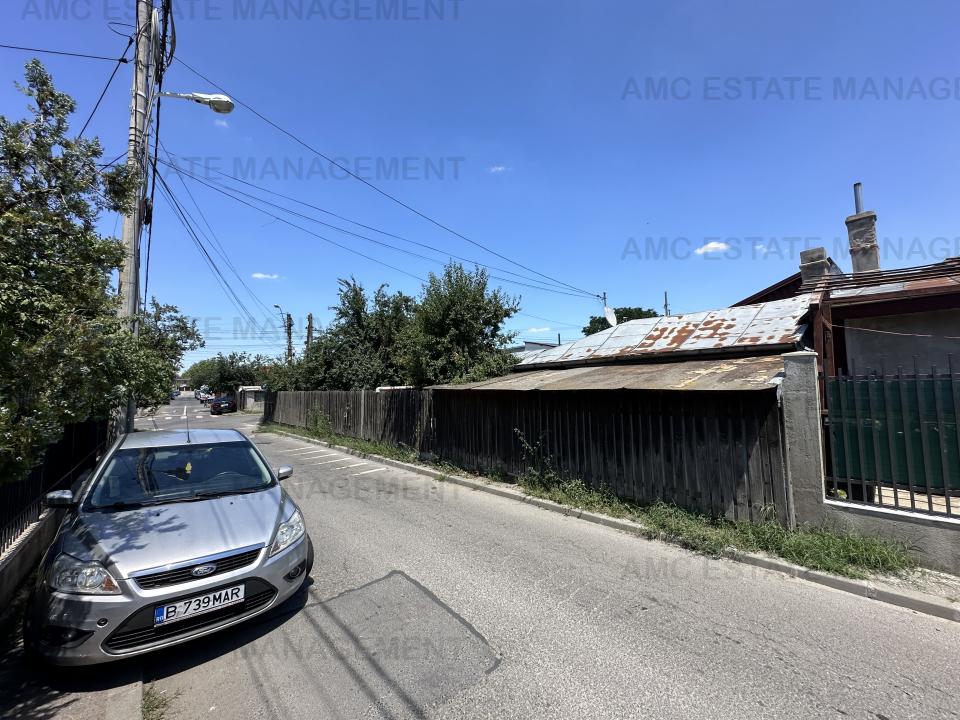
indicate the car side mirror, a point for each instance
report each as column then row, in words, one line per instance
column 59, row 499
column 284, row 471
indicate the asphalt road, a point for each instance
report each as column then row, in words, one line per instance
column 431, row 600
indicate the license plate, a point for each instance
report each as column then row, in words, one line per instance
column 174, row 612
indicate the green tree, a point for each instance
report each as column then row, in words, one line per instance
column 457, row 333
column 224, row 373
column 64, row 356
column 165, row 336
column 362, row 346
column 599, row 322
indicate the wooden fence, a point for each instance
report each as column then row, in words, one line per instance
column 391, row 416
column 717, row 453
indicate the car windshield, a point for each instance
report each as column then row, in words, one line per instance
column 155, row 475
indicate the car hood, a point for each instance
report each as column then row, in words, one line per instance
column 159, row 535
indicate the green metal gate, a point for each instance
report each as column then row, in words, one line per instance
column 895, row 440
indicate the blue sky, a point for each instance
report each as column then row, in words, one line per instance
column 600, row 143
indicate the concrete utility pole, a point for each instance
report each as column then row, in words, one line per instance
column 129, row 287
column 289, row 325
column 666, row 305
column 309, row 328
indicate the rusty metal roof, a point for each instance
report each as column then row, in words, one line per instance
column 764, row 327
column 944, row 275
column 751, row 373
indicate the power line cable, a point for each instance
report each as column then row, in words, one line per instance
column 96, row 106
column 360, row 224
column 343, row 230
column 63, row 52
column 321, row 237
column 349, row 232
column 185, row 220
column 218, row 246
column 383, row 192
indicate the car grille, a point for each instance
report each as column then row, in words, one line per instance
column 181, row 575
column 138, row 630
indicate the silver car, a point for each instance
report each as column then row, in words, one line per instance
column 174, row 535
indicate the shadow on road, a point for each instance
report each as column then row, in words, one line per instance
column 31, row 689
column 389, row 648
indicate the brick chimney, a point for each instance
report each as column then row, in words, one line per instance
column 862, row 234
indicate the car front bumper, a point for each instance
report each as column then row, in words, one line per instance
column 69, row 629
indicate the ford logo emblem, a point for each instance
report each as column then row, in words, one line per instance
column 203, row 570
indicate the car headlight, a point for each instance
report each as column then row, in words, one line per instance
column 70, row 575
column 288, row 533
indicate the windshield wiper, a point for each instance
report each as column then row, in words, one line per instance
column 207, row 494
column 121, row 505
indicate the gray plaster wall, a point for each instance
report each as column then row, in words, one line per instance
column 876, row 350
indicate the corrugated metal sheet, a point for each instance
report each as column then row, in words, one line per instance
column 906, row 286
column 765, row 326
column 944, row 275
column 752, row 373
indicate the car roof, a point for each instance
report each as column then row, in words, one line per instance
column 169, row 438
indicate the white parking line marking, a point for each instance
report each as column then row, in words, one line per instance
column 311, row 450
column 184, row 411
column 327, row 462
column 367, row 472
column 168, row 417
column 314, row 456
column 294, row 451
column 347, row 467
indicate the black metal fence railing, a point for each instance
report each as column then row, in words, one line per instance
column 76, row 452
column 894, row 440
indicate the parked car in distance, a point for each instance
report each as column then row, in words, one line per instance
column 114, row 582
column 222, row 405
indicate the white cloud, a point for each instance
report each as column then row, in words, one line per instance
column 497, row 169
column 265, row 276
column 220, row 122
column 712, row 247
column 538, row 331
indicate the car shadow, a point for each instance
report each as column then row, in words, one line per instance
column 32, row 689
column 389, row 648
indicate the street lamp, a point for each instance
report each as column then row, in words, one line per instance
column 218, row 103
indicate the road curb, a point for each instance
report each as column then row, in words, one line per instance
column 908, row 599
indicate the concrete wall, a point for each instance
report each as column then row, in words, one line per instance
column 875, row 350
column 24, row 555
column 935, row 540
